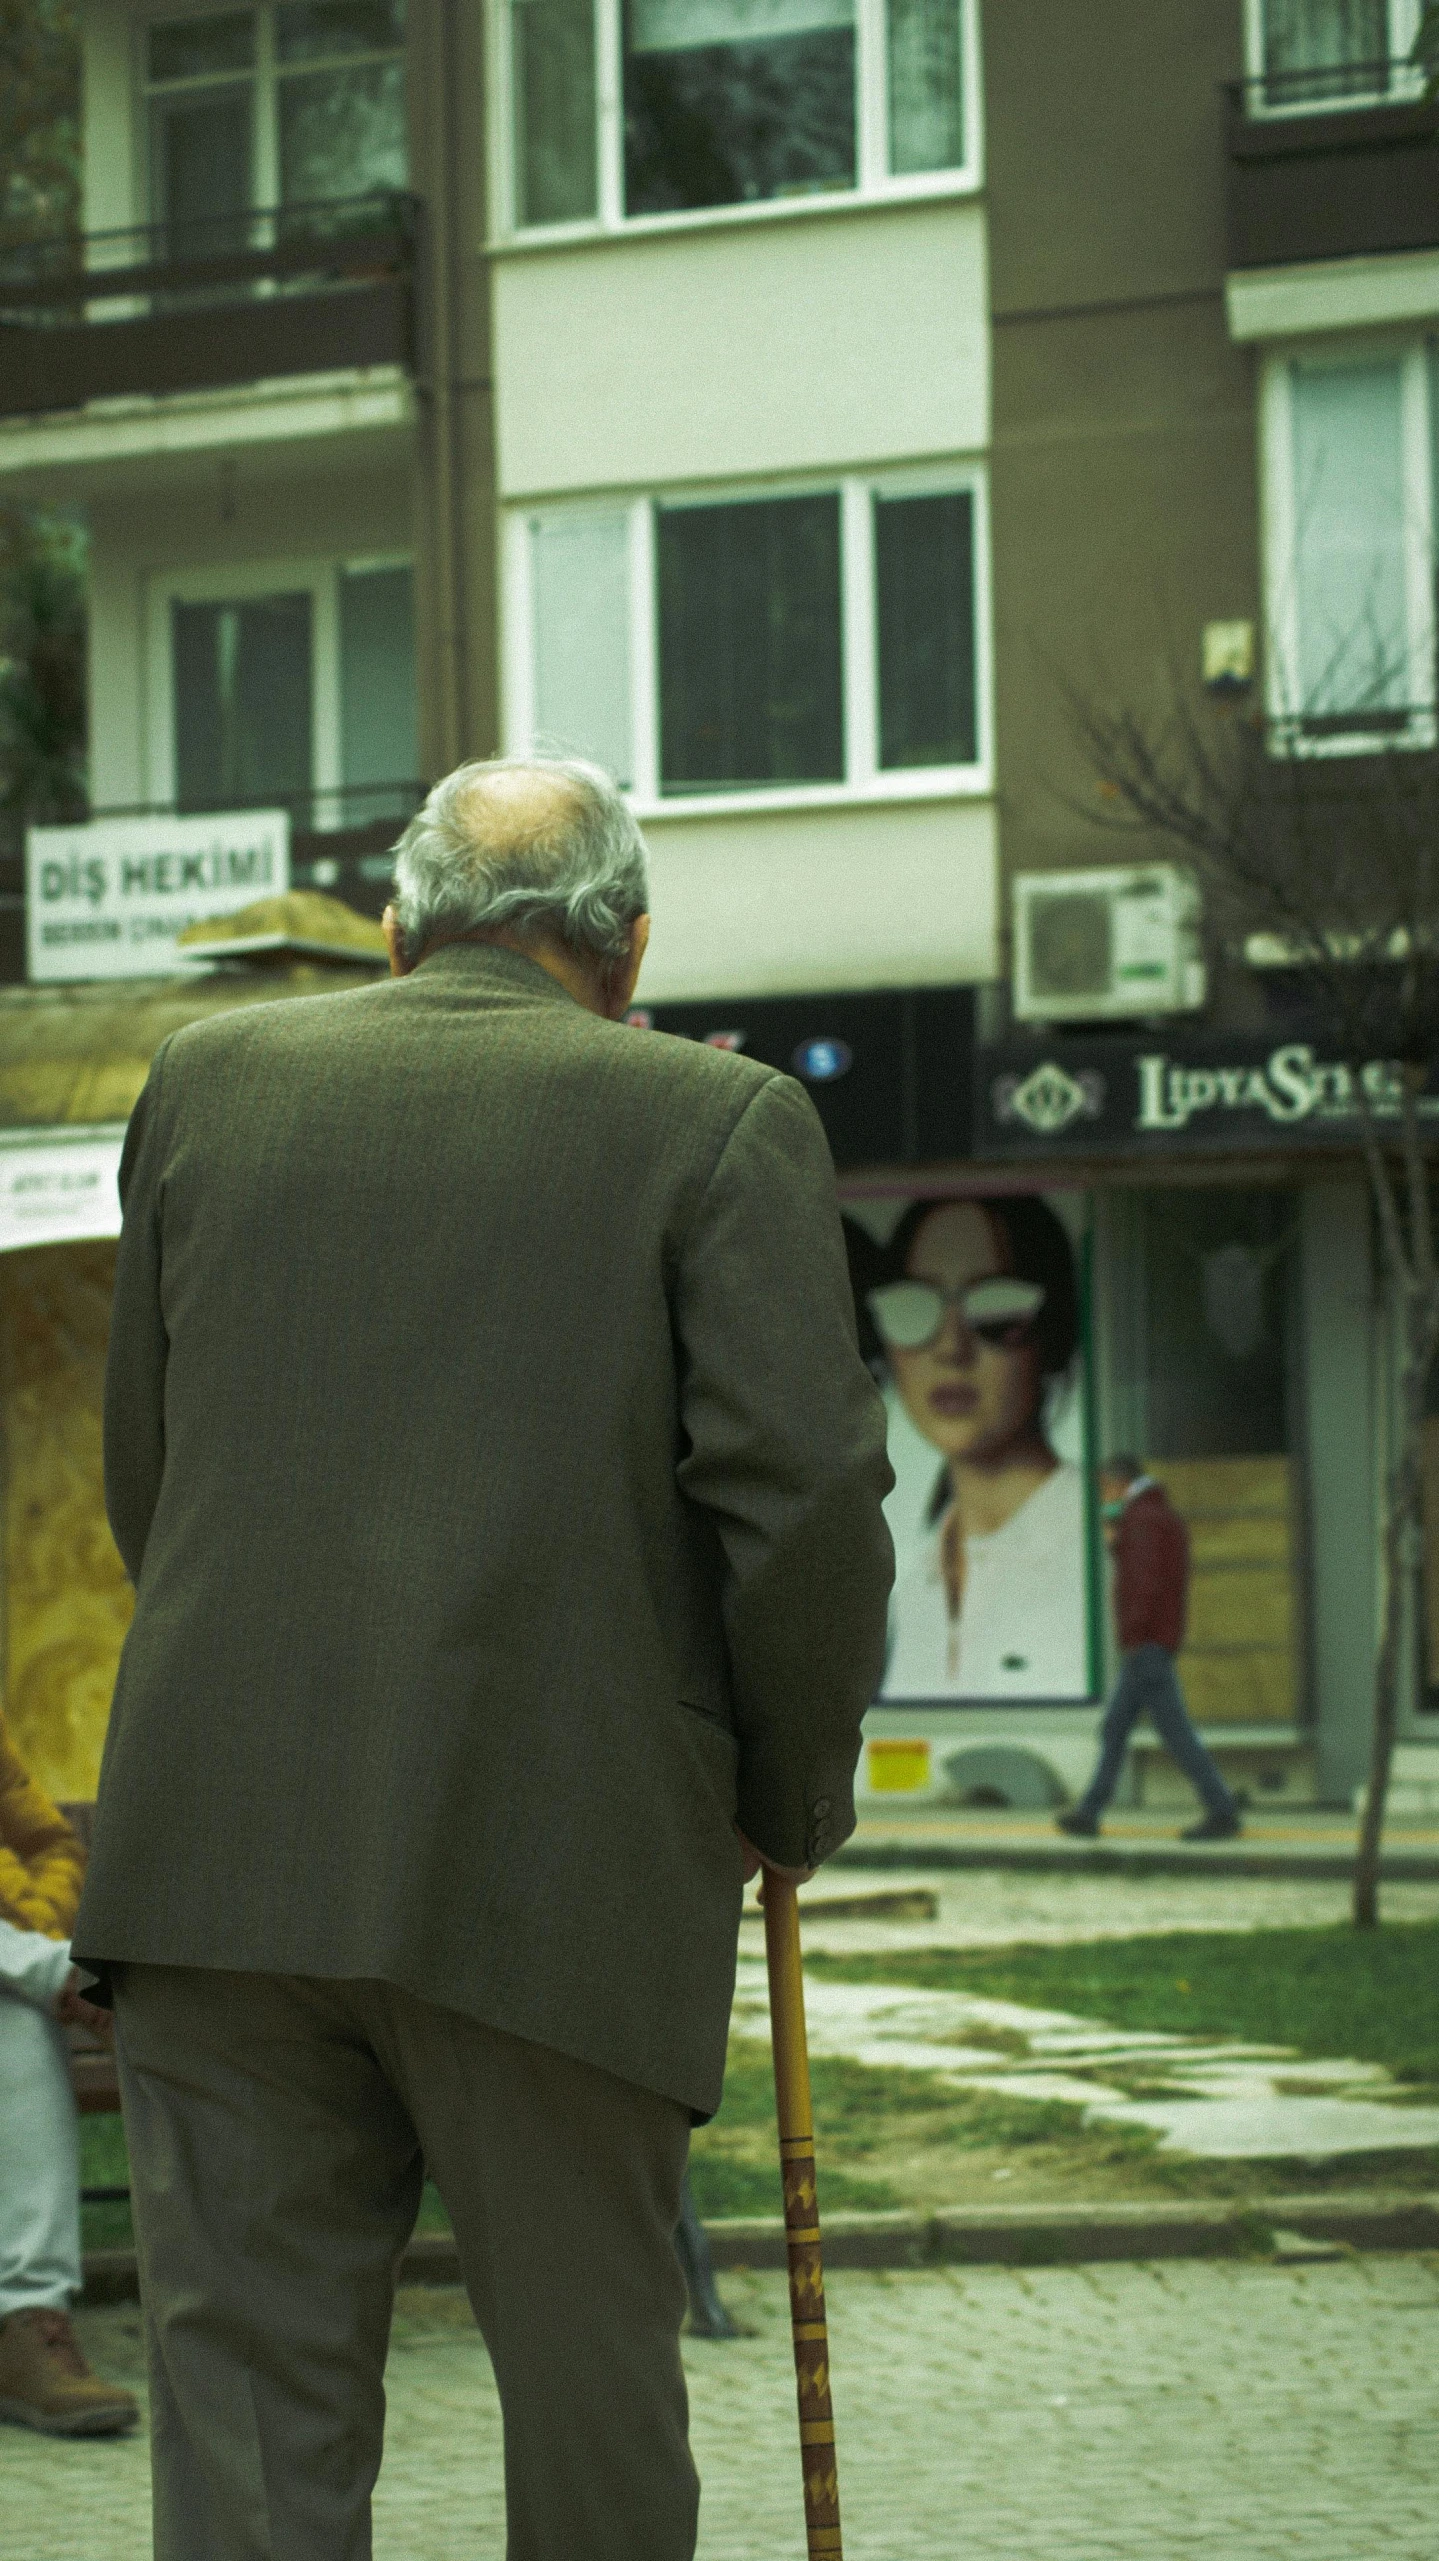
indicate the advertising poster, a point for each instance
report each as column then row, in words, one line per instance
column 972, row 1316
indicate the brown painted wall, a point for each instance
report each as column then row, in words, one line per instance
column 454, row 485
column 1124, row 473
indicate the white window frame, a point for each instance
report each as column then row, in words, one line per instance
column 1281, row 506
column 1404, row 17
column 263, row 78
column 873, row 181
column 232, row 582
column 865, row 781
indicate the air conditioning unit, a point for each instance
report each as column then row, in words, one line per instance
column 1096, row 945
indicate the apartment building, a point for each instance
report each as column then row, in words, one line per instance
column 1212, row 238
column 792, row 404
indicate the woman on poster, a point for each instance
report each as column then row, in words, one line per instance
column 972, row 1310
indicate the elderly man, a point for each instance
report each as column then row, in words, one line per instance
column 487, row 1440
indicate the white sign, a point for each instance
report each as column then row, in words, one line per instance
column 57, row 1189
column 107, row 899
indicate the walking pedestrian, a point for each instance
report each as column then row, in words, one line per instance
column 1150, row 1547
column 489, row 1445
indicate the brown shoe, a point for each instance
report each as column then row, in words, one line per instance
column 45, row 2382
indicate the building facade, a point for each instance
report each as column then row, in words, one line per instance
column 796, row 405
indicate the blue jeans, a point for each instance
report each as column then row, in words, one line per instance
column 1149, row 1686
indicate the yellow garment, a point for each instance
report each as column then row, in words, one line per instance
column 41, row 1860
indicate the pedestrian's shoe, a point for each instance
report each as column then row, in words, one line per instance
column 1214, row 1827
column 1081, row 1826
column 45, row 2382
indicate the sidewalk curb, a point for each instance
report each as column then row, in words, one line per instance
column 988, row 2236
column 1136, row 1858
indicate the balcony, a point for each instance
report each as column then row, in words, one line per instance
column 307, row 289
column 1335, row 163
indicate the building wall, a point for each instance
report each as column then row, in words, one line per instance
column 453, row 463
column 809, row 899
column 733, row 358
column 1123, row 470
column 844, row 338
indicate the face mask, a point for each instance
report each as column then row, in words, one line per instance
column 1110, row 1511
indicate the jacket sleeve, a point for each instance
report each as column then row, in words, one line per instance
column 135, row 1366
column 786, row 1453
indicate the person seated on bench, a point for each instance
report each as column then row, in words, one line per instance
column 44, row 2380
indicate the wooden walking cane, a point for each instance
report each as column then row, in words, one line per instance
column 801, row 2216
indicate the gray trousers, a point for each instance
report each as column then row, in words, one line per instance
column 279, row 2130
column 1148, row 1685
column 39, row 2162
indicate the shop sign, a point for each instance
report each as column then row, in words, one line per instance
column 108, row 898
column 1219, row 1094
column 888, row 1070
column 59, row 1190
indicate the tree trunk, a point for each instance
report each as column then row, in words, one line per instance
column 1414, row 1281
column 1386, row 1697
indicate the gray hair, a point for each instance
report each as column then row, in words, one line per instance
column 575, row 870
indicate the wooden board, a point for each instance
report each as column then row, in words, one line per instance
column 1243, row 1652
column 67, row 1602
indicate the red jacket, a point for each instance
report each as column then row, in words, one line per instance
column 1151, row 1572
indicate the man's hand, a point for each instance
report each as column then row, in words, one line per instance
column 73, row 2010
column 755, row 1859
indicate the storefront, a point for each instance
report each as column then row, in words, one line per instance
column 1189, row 1222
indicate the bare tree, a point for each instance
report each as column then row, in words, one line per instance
column 1333, row 858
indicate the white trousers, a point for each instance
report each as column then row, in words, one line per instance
column 39, row 2132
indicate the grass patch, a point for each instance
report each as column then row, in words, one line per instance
column 888, row 2137
column 1368, row 1994
column 104, row 2163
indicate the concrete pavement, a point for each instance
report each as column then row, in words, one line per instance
column 1235, row 2411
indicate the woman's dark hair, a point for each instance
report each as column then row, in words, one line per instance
column 1039, row 1250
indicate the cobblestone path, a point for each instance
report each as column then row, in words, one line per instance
column 1242, row 2412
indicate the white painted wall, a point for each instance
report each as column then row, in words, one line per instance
column 821, row 898
column 856, row 338
column 107, row 138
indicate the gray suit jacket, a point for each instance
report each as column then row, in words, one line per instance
column 487, row 1440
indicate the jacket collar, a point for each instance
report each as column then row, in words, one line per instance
column 487, row 969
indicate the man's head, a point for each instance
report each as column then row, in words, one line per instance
column 1116, row 1476
column 537, row 853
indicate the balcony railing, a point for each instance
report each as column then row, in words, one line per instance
column 301, row 289
column 1334, row 163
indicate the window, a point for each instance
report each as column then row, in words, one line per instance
column 1350, row 449
column 296, row 102
column 288, row 686
column 1307, row 54
column 751, row 680
column 243, row 714
column 821, row 643
column 628, row 108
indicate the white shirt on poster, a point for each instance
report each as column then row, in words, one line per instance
column 1022, row 1630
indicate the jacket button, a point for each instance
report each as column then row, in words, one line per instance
column 820, row 1807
